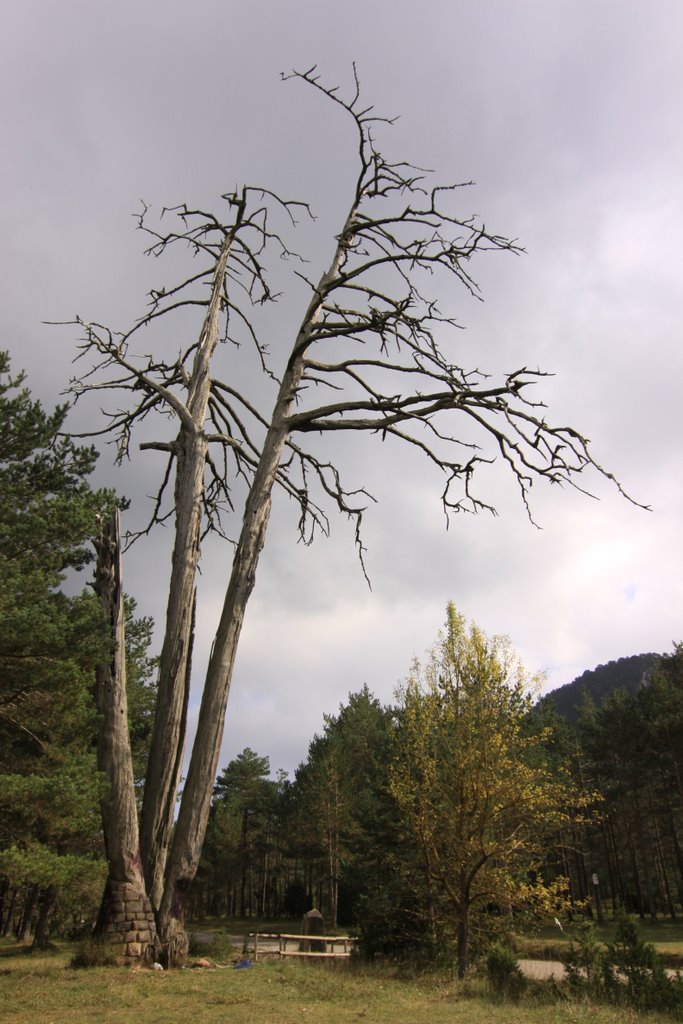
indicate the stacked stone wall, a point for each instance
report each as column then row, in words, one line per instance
column 126, row 923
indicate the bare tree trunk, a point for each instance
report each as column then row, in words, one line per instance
column 635, row 871
column 333, row 815
column 4, row 892
column 644, row 860
column 168, row 735
column 9, row 914
column 566, row 870
column 245, row 859
column 48, row 902
column 677, row 850
column 463, row 939
column 617, row 856
column 30, row 900
column 126, row 919
column 196, row 800
column 609, row 863
column 333, row 882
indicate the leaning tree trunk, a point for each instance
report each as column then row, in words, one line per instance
column 126, row 920
column 196, row 800
column 168, row 732
column 195, row 804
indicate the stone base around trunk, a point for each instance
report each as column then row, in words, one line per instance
column 126, row 923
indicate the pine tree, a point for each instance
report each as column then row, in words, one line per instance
column 49, row 643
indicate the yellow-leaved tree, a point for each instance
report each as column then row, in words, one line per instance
column 479, row 802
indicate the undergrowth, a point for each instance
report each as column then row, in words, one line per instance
column 625, row 972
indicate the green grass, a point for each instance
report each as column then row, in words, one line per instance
column 38, row 989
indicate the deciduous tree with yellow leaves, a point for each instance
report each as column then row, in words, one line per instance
column 478, row 801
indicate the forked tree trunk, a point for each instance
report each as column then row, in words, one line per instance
column 195, row 804
column 126, row 920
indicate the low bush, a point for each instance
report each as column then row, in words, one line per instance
column 646, row 984
column 504, row 973
column 585, row 963
column 93, row 953
column 220, row 948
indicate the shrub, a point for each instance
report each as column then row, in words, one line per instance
column 503, row 972
column 93, row 953
column 648, row 986
column 585, row 963
column 220, row 948
column 630, row 972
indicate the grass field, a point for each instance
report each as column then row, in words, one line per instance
column 43, row 989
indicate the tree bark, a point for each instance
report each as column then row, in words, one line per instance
column 4, row 890
column 644, row 860
column 48, row 902
column 609, row 862
column 125, row 920
column 30, row 900
column 617, row 858
column 463, row 940
column 168, row 734
column 677, row 850
column 635, row 872
column 9, row 914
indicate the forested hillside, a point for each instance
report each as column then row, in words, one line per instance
column 627, row 674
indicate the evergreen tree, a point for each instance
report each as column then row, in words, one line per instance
column 337, row 791
column 49, row 644
column 240, row 837
column 632, row 743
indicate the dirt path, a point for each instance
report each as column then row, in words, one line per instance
column 542, row 970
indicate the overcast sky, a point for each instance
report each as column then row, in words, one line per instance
column 567, row 115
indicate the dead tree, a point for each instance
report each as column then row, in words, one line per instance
column 126, row 919
column 371, row 355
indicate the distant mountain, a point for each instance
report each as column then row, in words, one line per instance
column 624, row 674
